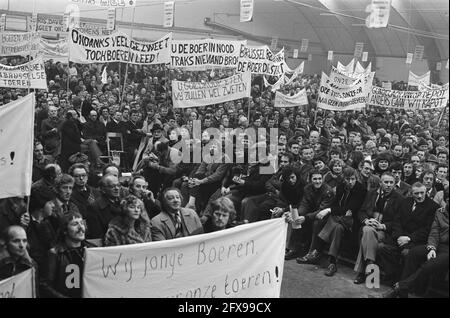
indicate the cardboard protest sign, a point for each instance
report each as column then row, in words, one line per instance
column 19, row 286
column 28, row 75
column 426, row 99
column 203, row 54
column 57, row 25
column 194, row 94
column 341, row 98
column 298, row 99
column 298, row 70
column 245, row 261
column 117, row 47
column 261, row 60
column 16, row 151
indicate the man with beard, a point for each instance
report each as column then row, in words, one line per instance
column 63, row 269
column 175, row 221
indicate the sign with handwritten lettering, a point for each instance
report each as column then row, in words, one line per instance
column 16, row 146
column 18, row 286
column 244, row 261
column 117, row 47
column 194, row 94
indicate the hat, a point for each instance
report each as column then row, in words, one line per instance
column 78, row 158
column 384, row 156
column 432, row 158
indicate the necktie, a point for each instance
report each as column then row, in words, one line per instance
column 414, row 206
column 178, row 222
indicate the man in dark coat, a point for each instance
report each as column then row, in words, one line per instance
column 376, row 216
column 70, row 138
column 105, row 208
column 82, row 193
column 410, row 228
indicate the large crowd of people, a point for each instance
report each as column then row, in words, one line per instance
column 370, row 183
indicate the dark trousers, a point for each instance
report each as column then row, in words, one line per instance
column 390, row 259
column 418, row 271
column 316, row 241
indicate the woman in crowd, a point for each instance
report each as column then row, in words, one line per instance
column 131, row 227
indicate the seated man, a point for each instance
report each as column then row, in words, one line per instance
column 82, row 193
column 55, row 209
column 14, row 257
column 410, row 228
column 105, row 208
column 58, row 279
column 425, row 261
column 376, row 216
column 342, row 214
column 317, row 196
column 222, row 216
column 402, row 187
column 174, row 221
column 139, row 188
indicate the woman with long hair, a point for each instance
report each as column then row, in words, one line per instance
column 130, row 227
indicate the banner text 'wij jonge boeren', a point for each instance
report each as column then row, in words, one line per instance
column 245, row 261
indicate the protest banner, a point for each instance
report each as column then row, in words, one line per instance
column 107, row 3
column 27, row 43
column 17, row 43
column 194, row 94
column 341, row 98
column 28, row 75
column 277, row 85
column 346, row 68
column 203, row 54
column 117, row 47
column 19, row 286
column 427, row 99
column 298, row 70
column 298, row 99
column 416, row 80
column 54, row 26
column 261, row 60
column 244, row 261
column 16, row 151
column 386, row 85
column 359, row 69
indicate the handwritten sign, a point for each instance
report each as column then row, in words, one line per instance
column 194, row 94
column 299, row 99
column 117, row 47
column 16, row 151
column 426, row 99
column 28, row 75
column 245, row 261
column 18, row 286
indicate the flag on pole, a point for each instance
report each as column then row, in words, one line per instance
column 16, row 151
column 104, row 76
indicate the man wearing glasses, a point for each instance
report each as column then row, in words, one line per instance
column 104, row 208
column 82, row 193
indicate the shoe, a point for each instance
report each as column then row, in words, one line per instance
column 392, row 293
column 331, row 270
column 310, row 258
column 291, row 254
column 359, row 279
